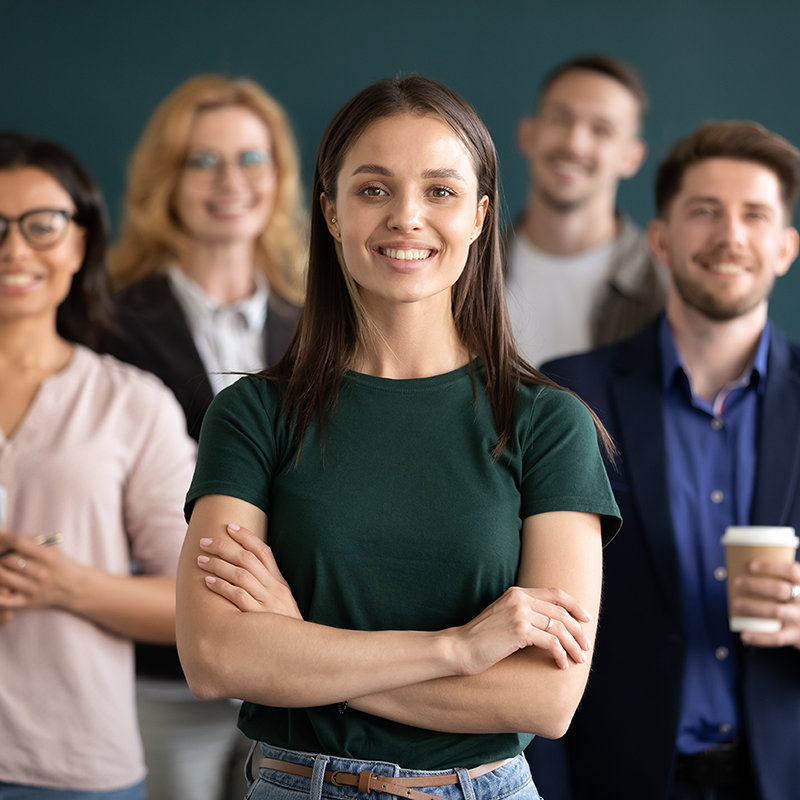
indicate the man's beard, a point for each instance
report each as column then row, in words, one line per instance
column 717, row 308
column 561, row 206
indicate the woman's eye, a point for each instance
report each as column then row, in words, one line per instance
column 373, row 191
column 252, row 158
column 441, row 191
column 207, row 160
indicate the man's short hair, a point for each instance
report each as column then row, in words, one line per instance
column 611, row 67
column 741, row 141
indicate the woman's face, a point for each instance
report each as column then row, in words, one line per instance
column 406, row 211
column 226, row 190
column 34, row 282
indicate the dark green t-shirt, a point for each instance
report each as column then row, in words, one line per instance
column 404, row 522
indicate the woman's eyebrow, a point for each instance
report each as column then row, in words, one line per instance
column 374, row 169
column 451, row 174
column 443, row 172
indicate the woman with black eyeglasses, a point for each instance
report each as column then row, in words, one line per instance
column 93, row 466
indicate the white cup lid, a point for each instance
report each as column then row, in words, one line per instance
column 760, row 535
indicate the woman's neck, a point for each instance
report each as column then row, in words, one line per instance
column 410, row 343
column 30, row 345
column 225, row 272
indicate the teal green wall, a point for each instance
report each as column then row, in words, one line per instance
column 89, row 73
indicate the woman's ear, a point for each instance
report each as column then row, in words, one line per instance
column 329, row 212
column 480, row 216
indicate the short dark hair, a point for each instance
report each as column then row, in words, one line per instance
column 85, row 315
column 741, row 141
column 610, row 66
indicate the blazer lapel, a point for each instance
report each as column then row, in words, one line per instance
column 636, row 408
column 778, row 448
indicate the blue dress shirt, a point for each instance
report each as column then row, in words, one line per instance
column 711, row 463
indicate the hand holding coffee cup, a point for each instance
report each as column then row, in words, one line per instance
column 762, row 576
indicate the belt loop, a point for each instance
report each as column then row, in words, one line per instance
column 318, row 776
column 248, row 764
column 465, row 782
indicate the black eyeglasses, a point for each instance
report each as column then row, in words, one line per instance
column 41, row 228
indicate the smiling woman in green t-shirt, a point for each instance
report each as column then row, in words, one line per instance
column 425, row 489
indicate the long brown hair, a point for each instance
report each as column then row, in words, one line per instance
column 151, row 235
column 331, row 327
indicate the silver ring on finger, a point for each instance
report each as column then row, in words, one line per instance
column 549, row 623
column 795, row 593
column 21, row 564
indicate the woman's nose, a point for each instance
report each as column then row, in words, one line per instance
column 405, row 213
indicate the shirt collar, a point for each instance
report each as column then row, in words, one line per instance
column 672, row 365
column 199, row 303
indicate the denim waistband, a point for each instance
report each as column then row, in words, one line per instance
column 511, row 781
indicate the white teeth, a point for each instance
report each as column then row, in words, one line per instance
column 729, row 269
column 406, row 255
column 569, row 167
column 17, row 279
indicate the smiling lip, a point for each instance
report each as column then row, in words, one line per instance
column 17, row 281
column 727, row 268
column 568, row 166
column 231, row 208
column 406, row 257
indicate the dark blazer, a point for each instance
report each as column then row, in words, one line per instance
column 621, row 743
column 154, row 335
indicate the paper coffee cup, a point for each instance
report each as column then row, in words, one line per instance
column 746, row 543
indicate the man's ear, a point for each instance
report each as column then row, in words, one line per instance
column 527, row 132
column 657, row 241
column 788, row 254
column 634, row 158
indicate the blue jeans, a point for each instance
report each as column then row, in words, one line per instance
column 512, row 781
column 16, row 791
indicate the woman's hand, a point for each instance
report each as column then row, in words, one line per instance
column 548, row 619
column 34, row 576
column 244, row 572
column 141, row 607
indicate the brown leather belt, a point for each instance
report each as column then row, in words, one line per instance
column 366, row 781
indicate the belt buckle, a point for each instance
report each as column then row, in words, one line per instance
column 335, row 777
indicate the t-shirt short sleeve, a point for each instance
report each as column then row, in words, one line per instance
column 237, row 453
column 562, row 469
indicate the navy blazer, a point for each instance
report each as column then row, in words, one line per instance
column 153, row 334
column 621, row 743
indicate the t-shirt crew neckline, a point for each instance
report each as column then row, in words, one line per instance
column 413, row 384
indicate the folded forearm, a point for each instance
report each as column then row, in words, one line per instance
column 280, row 661
column 525, row 692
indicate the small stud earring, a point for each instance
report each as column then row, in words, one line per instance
column 333, row 220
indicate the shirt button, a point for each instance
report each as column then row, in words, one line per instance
column 721, row 653
column 717, row 496
column 720, row 573
column 716, row 423
column 725, row 728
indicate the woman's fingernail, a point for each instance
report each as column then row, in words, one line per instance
column 203, row 559
column 210, row 579
column 205, row 542
column 233, row 527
